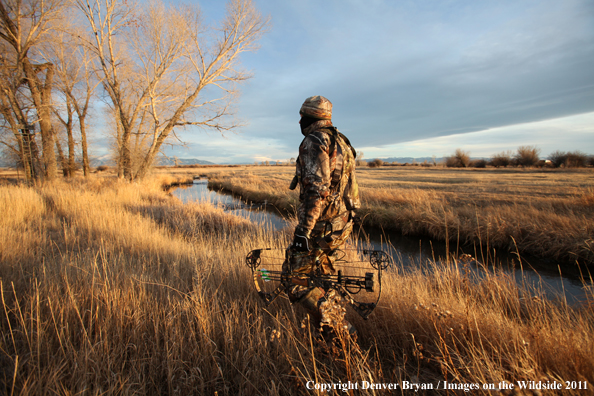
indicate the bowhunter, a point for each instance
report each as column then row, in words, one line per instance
column 329, row 195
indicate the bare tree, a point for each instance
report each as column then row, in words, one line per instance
column 163, row 69
column 359, row 161
column 376, row 163
column 527, row 156
column 460, row 159
column 24, row 25
column 16, row 133
column 18, row 138
column 558, row 158
column 576, row 159
column 502, row 159
column 75, row 85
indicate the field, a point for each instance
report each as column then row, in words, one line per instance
column 543, row 212
column 117, row 288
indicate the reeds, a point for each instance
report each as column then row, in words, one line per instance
column 117, row 288
column 546, row 214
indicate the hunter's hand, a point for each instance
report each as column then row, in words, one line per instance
column 300, row 243
column 357, row 221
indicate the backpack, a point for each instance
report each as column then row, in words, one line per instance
column 343, row 181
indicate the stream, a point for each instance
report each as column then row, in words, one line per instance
column 412, row 252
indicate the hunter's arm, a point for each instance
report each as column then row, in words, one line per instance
column 315, row 180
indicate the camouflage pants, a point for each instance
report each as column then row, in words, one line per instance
column 326, row 238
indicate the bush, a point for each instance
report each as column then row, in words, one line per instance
column 479, row 163
column 558, row 158
column 376, row 163
column 527, row 156
column 460, row 159
column 576, row 159
column 502, row 159
column 452, row 162
column 102, row 168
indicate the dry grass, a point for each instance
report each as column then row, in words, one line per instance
column 547, row 213
column 117, row 288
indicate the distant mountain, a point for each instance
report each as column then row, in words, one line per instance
column 183, row 161
column 410, row 160
column 108, row 161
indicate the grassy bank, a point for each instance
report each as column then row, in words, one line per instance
column 117, row 288
column 545, row 213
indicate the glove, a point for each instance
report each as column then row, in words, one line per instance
column 300, row 243
column 357, row 221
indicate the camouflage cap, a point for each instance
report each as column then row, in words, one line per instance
column 317, row 107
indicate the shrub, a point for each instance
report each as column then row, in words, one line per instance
column 576, row 159
column 102, row 168
column 376, row 163
column 460, row 159
column 479, row 163
column 451, row 162
column 502, row 159
column 558, row 158
column 527, row 156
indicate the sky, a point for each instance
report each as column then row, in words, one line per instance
column 414, row 78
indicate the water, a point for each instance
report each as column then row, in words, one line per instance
column 409, row 252
column 257, row 213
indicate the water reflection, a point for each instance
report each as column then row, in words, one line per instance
column 412, row 252
column 257, row 213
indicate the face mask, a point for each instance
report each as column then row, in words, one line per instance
column 305, row 122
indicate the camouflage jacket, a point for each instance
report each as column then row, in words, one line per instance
column 326, row 175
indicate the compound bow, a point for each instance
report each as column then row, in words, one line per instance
column 345, row 285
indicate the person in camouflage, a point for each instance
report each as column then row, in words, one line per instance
column 329, row 196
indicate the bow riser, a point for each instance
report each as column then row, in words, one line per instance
column 345, row 285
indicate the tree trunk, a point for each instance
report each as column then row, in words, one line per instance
column 62, row 159
column 25, row 143
column 32, row 155
column 121, row 143
column 127, row 159
column 71, row 164
column 84, row 147
column 41, row 95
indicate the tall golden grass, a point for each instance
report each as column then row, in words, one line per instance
column 118, row 288
column 545, row 213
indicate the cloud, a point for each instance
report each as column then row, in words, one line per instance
column 401, row 72
column 573, row 133
column 232, row 149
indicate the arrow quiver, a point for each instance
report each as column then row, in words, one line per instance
column 353, row 277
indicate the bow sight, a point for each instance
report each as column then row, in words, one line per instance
column 346, row 285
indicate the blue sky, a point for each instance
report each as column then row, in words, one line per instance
column 415, row 78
